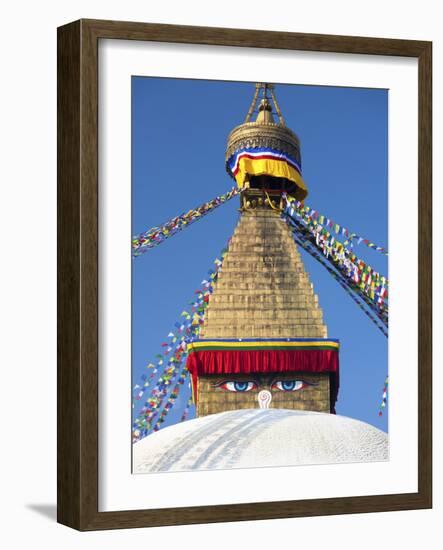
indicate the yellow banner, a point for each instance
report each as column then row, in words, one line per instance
column 248, row 167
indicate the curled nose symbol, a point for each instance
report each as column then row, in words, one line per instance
column 264, row 399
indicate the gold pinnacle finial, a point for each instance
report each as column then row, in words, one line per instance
column 265, row 107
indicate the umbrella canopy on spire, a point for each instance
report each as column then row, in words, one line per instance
column 265, row 153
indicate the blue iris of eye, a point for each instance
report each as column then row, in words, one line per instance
column 241, row 386
column 288, row 385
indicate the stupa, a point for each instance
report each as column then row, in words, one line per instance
column 265, row 374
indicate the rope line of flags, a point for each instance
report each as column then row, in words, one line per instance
column 143, row 242
column 174, row 375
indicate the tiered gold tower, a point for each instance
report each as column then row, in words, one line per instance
column 263, row 290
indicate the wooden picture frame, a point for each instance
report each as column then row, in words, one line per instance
column 78, row 274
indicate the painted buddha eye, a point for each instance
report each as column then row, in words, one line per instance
column 237, row 386
column 289, row 385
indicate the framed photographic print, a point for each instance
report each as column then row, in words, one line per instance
column 274, row 359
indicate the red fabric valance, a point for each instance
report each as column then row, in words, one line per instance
column 221, row 362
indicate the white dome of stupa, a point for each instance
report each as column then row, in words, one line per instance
column 253, row 438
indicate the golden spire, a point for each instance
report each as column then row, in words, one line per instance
column 265, row 104
column 265, row 113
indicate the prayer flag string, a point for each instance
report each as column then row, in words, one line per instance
column 360, row 277
column 384, row 399
column 174, row 374
column 301, row 238
column 156, row 235
column 185, row 414
column 306, row 245
column 310, row 215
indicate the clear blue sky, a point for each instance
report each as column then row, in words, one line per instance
column 179, row 131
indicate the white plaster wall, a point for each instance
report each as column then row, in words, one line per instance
column 257, row 438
